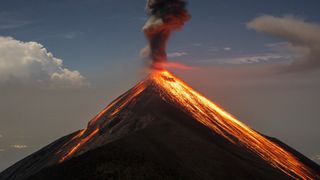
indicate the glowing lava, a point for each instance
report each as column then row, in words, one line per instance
column 174, row 91
column 221, row 122
column 81, row 143
column 81, row 138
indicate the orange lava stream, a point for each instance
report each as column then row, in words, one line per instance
column 119, row 103
column 78, row 135
column 81, row 143
column 135, row 92
column 97, row 117
column 209, row 114
column 122, row 100
column 215, row 118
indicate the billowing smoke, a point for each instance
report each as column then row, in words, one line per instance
column 165, row 16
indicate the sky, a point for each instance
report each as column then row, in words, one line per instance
column 62, row 61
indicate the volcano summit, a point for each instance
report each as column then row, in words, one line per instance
column 163, row 129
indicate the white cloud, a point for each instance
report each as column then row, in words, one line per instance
column 277, row 45
column 253, row 59
column 2, row 150
column 14, row 24
column 31, row 63
column 217, row 49
column 8, row 22
column 71, row 35
column 303, row 38
column 20, row 146
column 1, row 136
column 214, row 49
column 177, row 54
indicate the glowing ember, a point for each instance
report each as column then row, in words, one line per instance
column 221, row 122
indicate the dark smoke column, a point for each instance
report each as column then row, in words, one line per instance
column 165, row 16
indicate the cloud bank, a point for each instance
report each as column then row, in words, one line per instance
column 30, row 63
column 303, row 37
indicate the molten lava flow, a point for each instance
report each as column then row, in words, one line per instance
column 206, row 112
column 135, row 92
column 176, row 92
column 81, row 143
column 78, row 135
column 97, row 117
column 120, row 102
column 81, row 138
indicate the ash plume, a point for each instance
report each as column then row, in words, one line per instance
column 165, row 16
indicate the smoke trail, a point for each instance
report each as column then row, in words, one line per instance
column 165, row 16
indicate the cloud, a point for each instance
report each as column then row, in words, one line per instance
column 71, row 35
column 30, row 63
column 13, row 24
column 214, row 49
column 303, row 38
column 1, row 136
column 217, row 49
column 177, row 54
column 20, row 146
column 253, row 59
column 2, row 150
column 316, row 158
column 8, row 22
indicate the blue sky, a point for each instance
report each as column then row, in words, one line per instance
column 97, row 34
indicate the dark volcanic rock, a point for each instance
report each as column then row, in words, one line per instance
column 173, row 147
column 148, row 138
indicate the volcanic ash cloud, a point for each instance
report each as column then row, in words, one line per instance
column 165, row 16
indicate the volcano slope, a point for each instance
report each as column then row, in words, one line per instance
column 163, row 129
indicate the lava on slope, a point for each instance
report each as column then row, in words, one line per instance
column 204, row 111
column 73, row 146
column 163, row 98
column 221, row 122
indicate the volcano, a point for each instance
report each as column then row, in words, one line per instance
column 163, row 129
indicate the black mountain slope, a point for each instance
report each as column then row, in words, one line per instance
column 145, row 136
